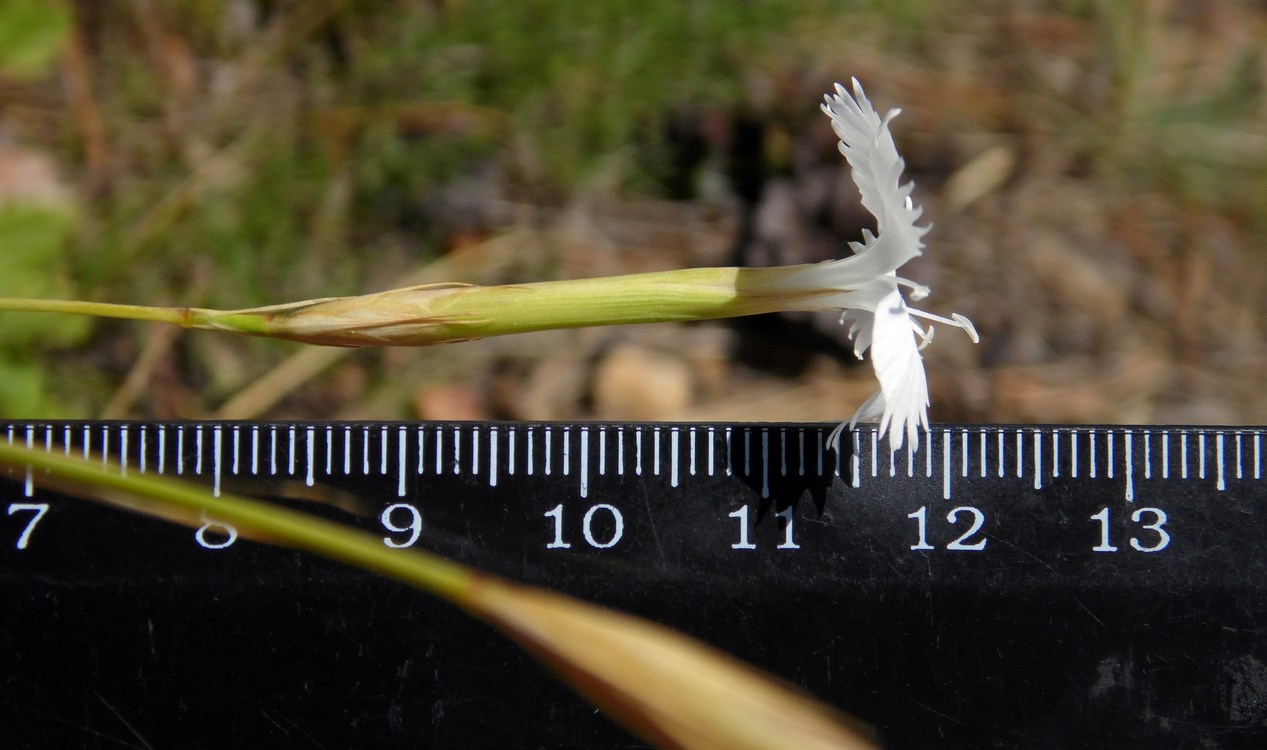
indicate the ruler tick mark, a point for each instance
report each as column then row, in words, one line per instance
column 800, row 442
column 530, row 450
column 729, row 449
column 28, row 483
column 1148, row 454
column 984, row 458
column 1020, row 454
column 1239, row 465
column 765, row 463
column 1109, row 461
column 855, row 470
column 310, row 449
column 1038, row 459
column 1165, row 455
column 162, row 446
column 492, row 456
column 216, row 439
column 945, row 464
column 638, row 451
column 105, row 443
column 549, row 453
column 1073, row 453
column 584, row 461
column 584, row 468
column 382, row 451
column 402, row 447
column 290, row 459
column 602, row 451
column 1000, row 451
column 673, row 456
column 510, row 451
column 782, row 452
column 620, row 451
column 48, row 435
column 963, row 448
column 691, row 434
column 180, row 449
column 475, row 450
column 440, row 451
column 1055, row 454
column 457, row 451
column 1184, row 455
column 1201, row 454
column 1129, row 457
column 123, row 449
column 1091, row 449
column 365, row 451
column 567, row 450
column 1221, row 484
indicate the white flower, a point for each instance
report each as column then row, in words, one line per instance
column 865, row 286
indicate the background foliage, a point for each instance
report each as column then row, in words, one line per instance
column 1097, row 172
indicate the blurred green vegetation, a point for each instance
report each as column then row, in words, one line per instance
column 243, row 153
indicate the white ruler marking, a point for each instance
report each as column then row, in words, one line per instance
column 567, row 450
column 747, row 452
column 928, row 452
column 1184, row 455
column 985, row 462
column 782, row 452
column 1221, row 484
column 602, row 451
column 1020, row 453
column 475, row 450
column 549, row 451
column 290, row 465
column 1038, row 459
column 855, row 465
column 530, row 450
column 105, row 444
column 347, row 451
column 800, row 451
column 1091, row 449
column 88, row 441
column 48, row 434
column 402, row 448
column 765, row 463
column 492, row 456
column 28, row 482
column 180, row 449
column 1055, row 454
column 730, row 467
column 673, row 456
column 620, row 451
column 440, row 451
column 382, row 450
column 123, row 449
column 1130, row 469
column 945, row 464
column 1201, row 454
column 999, row 448
column 1165, row 455
column 638, row 451
column 310, row 452
column 1148, row 454
column 162, row 446
column 216, row 444
column 1073, row 453
column 422, row 451
column 457, row 451
column 712, row 450
column 1108, row 447
column 963, row 449
column 585, row 462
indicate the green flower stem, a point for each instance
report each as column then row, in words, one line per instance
column 193, row 505
column 441, row 313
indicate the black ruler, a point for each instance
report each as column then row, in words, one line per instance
column 999, row 586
